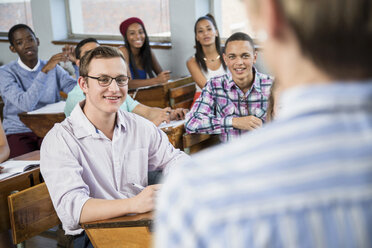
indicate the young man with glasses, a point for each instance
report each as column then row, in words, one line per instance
column 156, row 115
column 102, row 151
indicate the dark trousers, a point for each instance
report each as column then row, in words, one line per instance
column 82, row 241
column 21, row 143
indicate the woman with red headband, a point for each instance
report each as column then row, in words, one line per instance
column 137, row 52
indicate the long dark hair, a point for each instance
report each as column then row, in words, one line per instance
column 145, row 55
column 199, row 55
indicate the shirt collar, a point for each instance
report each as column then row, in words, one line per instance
column 83, row 127
column 256, row 83
column 21, row 64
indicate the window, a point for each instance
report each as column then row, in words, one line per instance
column 234, row 18
column 101, row 18
column 14, row 12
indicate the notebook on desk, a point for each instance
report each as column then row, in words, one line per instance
column 14, row 167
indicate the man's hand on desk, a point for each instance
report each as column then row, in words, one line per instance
column 145, row 201
column 158, row 115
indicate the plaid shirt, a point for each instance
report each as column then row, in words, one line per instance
column 221, row 100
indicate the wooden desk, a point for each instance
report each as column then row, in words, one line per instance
column 175, row 135
column 17, row 182
column 40, row 124
column 126, row 231
column 158, row 95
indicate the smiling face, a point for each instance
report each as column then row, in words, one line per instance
column 136, row 35
column 104, row 101
column 206, row 33
column 25, row 44
column 239, row 57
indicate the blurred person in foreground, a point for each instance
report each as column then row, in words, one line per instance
column 305, row 179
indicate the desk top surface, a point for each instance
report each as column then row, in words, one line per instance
column 136, row 220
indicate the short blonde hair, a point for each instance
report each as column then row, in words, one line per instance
column 335, row 34
column 98, row 52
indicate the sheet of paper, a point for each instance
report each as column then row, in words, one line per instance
column 52, row 108
column 172, row 124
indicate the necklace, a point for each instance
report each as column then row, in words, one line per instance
column 212, row 60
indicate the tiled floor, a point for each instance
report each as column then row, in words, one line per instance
column 41, row 242
column 46, row 239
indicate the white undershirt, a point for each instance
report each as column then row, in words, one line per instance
column 21, row 64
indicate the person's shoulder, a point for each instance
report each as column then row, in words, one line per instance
column 265, row 78
column 10, row 67
column 124, row 50
column 58, row 131
column 191, row 61
column 218, row 81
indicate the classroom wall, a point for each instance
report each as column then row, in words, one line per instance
column 49, row 20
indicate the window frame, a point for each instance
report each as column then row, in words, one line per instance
column 71, row 35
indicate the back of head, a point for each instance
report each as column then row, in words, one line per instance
column 81, row 44
column 15, row 28
column 240, row 36
column 98, row 52
column 336, row 35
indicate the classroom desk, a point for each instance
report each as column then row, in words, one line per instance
column 17, row 182
column 158, row 95
column 125, row 231
column 175, row 135
column 40, row 124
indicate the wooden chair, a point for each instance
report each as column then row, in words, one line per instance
column 182, row 96
column 193, row 143
column 31, row 212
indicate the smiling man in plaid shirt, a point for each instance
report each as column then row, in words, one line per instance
column 236, row 102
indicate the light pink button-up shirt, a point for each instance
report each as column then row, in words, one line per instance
column 79, row 162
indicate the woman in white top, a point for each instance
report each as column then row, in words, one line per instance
column 207, row 61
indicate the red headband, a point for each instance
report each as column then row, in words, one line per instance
column 125, row 24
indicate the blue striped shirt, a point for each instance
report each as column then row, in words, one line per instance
column 304, row 180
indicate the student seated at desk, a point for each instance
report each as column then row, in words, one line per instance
column 235, row 102
column 137, row 52
column 104, row 153
column 156, row 115
column 28, row 84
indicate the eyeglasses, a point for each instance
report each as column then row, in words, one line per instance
column 105, row 81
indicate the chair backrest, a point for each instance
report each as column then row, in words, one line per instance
column 195, row 142
column 31, row 212
column 182, row 96
column 158, row 95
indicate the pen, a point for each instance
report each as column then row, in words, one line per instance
column 140, row 187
